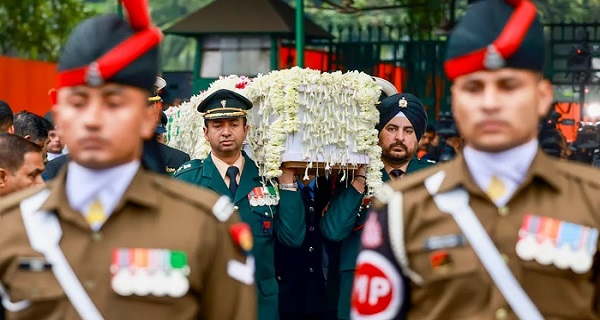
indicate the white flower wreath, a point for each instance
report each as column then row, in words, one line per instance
column 334, row 114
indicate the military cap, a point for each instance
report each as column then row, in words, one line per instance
column 108, row 49
column 159, row 84
column 409, row 105
column 496, row 34
column 387, row 88
column 223, row 104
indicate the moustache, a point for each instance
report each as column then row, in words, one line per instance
column 398, row 144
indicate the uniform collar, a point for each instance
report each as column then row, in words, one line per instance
column 140, row 192
column 542, row 169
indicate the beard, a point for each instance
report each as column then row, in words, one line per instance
column 393, row 157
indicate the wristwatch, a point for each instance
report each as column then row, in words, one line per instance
column 288, row 186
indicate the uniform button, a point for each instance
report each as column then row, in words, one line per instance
column 278, row 278
column 311, row 228
column 311, row 270
column 311, row 209
column 311, row 249
column 90, row 284
column 501, row 314
column 503, row 211
column 505, row 258
column 97, row 236
column 236, row 208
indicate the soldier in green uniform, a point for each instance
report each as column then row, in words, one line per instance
column 274, row 213
column 402, row 122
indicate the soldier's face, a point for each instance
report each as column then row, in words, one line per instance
column 226, row 136
column 28, row 175
column 104, row 127
column 499, row 110
column 398, row 141
column 55, row 145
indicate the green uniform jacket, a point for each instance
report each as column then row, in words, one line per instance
column 343, row 221
column 284, row 222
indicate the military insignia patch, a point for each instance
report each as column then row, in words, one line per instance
column 371, row 236
column 403, row 103
column 158, row 272
column 242, row 237
column 563, row 244
column 378, row 288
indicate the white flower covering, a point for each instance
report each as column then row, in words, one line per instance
column 333, row 113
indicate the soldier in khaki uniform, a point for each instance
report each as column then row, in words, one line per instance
column 503, row 231
column 107, row 239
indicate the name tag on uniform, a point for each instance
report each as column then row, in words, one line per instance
column 563, row 244
column 445, row 241
column 157, row 272
column 34, row 264
column 263, row 196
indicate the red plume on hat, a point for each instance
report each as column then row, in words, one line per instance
column 494, row 55
column 146, row 37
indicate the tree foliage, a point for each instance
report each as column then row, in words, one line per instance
column 37, row 29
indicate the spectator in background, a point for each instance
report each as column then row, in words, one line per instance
column 33, row 128
column 21, row 164
column 428, row 142
column 172, row 157
column 6, row 118
column 56, row 147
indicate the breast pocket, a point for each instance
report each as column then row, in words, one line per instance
column 264, row 217
column 451, row 277
column 33, row 291
column 561, row 293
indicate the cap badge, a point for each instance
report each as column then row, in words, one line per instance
column 493, row 59
column 93, row 77
column 223, row 103
column 403, row 103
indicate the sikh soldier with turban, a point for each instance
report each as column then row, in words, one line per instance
column 107, row 239
column 503, row 231
column 402, row 122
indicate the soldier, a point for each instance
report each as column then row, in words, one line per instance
column 273, row 214
column 172, row 157
column 503, row 231
column 106, row 238
column 402, row 122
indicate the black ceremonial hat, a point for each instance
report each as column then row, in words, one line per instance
column 496, row 34
column 108, row 49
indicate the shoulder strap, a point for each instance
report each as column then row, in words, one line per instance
column 456, row 203
column 44, row 233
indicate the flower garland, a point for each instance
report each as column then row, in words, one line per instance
column 323, row 110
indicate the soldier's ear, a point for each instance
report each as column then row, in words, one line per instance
column 3, row 178
column 546, row 96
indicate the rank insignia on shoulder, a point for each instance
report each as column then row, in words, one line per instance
column 242, row 237
column 143, row 271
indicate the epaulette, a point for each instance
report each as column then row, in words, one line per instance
column 189, row 166
column 209, row 201
column 14, row 199
column 585, row 173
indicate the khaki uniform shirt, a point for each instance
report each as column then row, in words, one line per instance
column 455, row 283
column 155, row 212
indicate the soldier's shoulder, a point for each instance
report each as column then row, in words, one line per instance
column 13, row 200
column 580, row 172
column 417, row 179
column 188, row 168
column 202, row 198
